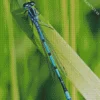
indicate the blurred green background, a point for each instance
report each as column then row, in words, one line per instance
column 24, row 70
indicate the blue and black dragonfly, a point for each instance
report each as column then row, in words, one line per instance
column 33, row 15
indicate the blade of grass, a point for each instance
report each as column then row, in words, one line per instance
column 65, row 20
column 65, row 26
column 73, row 38
column 14, row 83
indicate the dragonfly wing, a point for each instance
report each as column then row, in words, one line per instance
column 77, row 71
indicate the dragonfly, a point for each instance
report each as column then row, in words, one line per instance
column 33, row 15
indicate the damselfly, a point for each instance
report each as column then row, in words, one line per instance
column 33, row 15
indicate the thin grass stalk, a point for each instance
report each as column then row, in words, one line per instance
column 77, row 17
column 14, row 81
column 65, row 25
column 45, row 9
column 73, row 38
column 65, row 20
column 4, row 77
column 77, row 26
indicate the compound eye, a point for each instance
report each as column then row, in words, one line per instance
column 28, row 4
column 25, row 5
column 32, row 3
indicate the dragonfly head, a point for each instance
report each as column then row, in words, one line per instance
column 28, row 4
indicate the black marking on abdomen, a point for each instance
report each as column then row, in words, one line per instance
column 63, row 85
column 49, row 53
column 43, row 40
column 55, row 67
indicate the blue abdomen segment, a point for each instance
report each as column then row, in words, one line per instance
column 57, row 72
column 46, row 47
column 52, row 60
column 67, row 95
